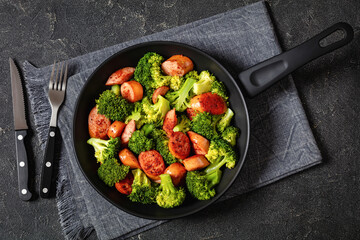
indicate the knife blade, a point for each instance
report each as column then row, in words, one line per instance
column 20, row 127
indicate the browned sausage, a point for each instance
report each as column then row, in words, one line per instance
column 128, row 158
column 177, row 172
column 98, row 124
column 161, row 91
column 195, row 162
column 132, row 91
column 152, row 164
column 116, row 129
column 199, row 143
column 128, row 131
column 120, row 76
column 170, row 122
column 179, row 145
column 209, row 102
column 177, row 65
column 124, row 186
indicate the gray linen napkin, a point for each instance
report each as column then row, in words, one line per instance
column 281, row 141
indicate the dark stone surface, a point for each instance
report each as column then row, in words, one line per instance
column 320, row 203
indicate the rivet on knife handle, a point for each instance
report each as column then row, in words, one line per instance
column 22, row 165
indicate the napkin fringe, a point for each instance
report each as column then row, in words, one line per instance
column 39, row 102
column 70, row 223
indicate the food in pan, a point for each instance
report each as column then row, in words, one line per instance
column 162, row 130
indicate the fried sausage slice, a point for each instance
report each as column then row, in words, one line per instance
column 120, row 76
column 177, row 65
column 209, row 102
column 98, row 124
column 152, row 164
column 179, row 145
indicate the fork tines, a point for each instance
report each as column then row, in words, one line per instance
column 59, row 83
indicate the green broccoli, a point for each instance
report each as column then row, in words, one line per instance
column 149, row 74
column 137, row 114
column 116, row 89
column 175, row 82
column 192, row 74
column 225, row 120
column 220, row 89
column 144, row 67
column 221, row 150
column 142, row 189
column 139, row 142
column 168, row 195
column 110, row 172
column 183, row 124
column 180, row 99
column 205, row 124
column 201, row 183
column 161, row 145
column 155, row 113
column 105, row 149
column 204, row 84
column 113, row 107
column 231, row 134
column 147, row 129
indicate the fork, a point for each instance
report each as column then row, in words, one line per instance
column 57, row 88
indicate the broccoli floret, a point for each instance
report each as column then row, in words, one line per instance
column 110, row 172
column 221, row 150
column 183, row 124
column 113, row 107
column 180, row 99
column 137, row 114
column 155, row 113
column 147, row 129
column 105, row 149
column 220, row 89
column 204, row 84
column 176, row 82
column 144, row 69
column 201, row 186
column 231, row 134
column 149, row 74
column 139, row 142
column 205, row 124
column 192, row 74
column 116, row 89
column 225, row 120
column 201, row 183
column 161, row 145
column 168, row 195
column 142, row 189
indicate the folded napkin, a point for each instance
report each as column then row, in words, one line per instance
column 281, row 141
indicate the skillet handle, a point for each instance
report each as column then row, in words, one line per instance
column 261, row 76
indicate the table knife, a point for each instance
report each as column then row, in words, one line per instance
column 20, row 128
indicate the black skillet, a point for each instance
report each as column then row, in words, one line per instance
column 253, row 81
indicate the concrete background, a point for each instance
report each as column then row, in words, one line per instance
column 320, row 203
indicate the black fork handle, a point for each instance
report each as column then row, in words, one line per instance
column 22, row 165
column 261, row 76
column 48, row 164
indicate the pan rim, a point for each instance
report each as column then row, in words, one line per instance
column 240, row 161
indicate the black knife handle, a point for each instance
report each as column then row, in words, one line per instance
column 259, row 77
column 22, row 165
column 48, row 164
